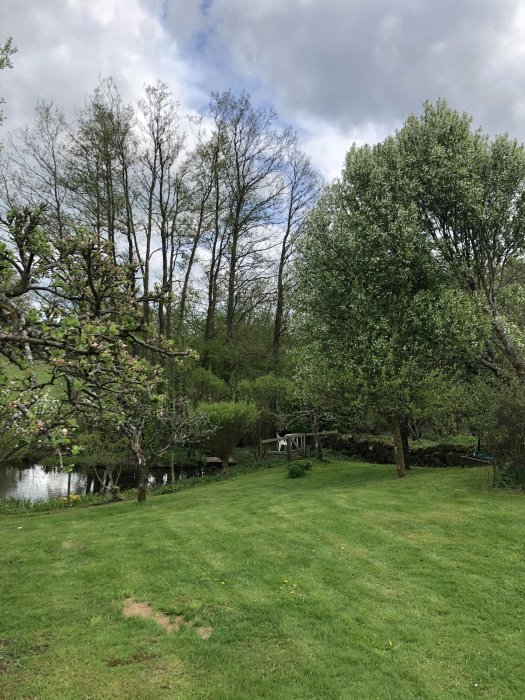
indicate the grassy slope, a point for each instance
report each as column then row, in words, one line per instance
column 13, row 372
column 345, row 584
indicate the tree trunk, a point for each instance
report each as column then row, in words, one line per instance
column 172, row 467
column 189, row 267
column 141, row 466
column 404, row 440
column 398, row 447
column 143, row 483
column 232, row 285
column 279, row 306
column 278, row 320
column 508, row 348
column 215, row 265
column 318, row 446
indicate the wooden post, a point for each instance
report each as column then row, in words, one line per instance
column 289, row 449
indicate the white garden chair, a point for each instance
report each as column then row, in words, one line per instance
column 281, row 442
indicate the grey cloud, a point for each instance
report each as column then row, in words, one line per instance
column 337, row 69
column 352, row 62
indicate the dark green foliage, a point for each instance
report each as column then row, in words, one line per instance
column 204, row 385
column 272, row 395
column 506, row 436
column 298, row 469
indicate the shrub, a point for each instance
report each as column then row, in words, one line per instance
column 267, row 390
column 230, row 420
column 271, row 394
column 298, row 469
column 204, row 385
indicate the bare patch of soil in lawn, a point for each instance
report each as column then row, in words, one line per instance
column 133, row 608
column 204, row 632
column 135, row 659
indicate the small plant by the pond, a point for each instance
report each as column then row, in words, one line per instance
column 71, row 500
column 17, row 506
column 298, row 469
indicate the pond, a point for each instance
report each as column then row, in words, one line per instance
column 37, row 482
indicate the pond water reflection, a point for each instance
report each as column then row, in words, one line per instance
column 37, row 482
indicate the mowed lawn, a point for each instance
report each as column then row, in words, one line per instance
column 348, row 583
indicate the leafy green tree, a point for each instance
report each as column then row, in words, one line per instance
column 469, row 194
column 67, row 303
column 382, row 320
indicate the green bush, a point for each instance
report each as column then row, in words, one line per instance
column 204, row 385
column 230, row 420
column 506, row 436
column 266, row 391
column 298, row 469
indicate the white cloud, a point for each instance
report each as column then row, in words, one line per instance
column 327, row 144
column 338, row 70
column 64, row 46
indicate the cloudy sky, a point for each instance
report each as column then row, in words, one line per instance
column 338, row 70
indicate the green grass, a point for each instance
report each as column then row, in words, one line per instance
column 346, row 584
column 42, row 371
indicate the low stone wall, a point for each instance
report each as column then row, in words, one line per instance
column 381, row 452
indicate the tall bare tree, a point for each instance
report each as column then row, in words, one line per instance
column 253, row 153
column 33, row 171
column 303, row 184
column 162, row 195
